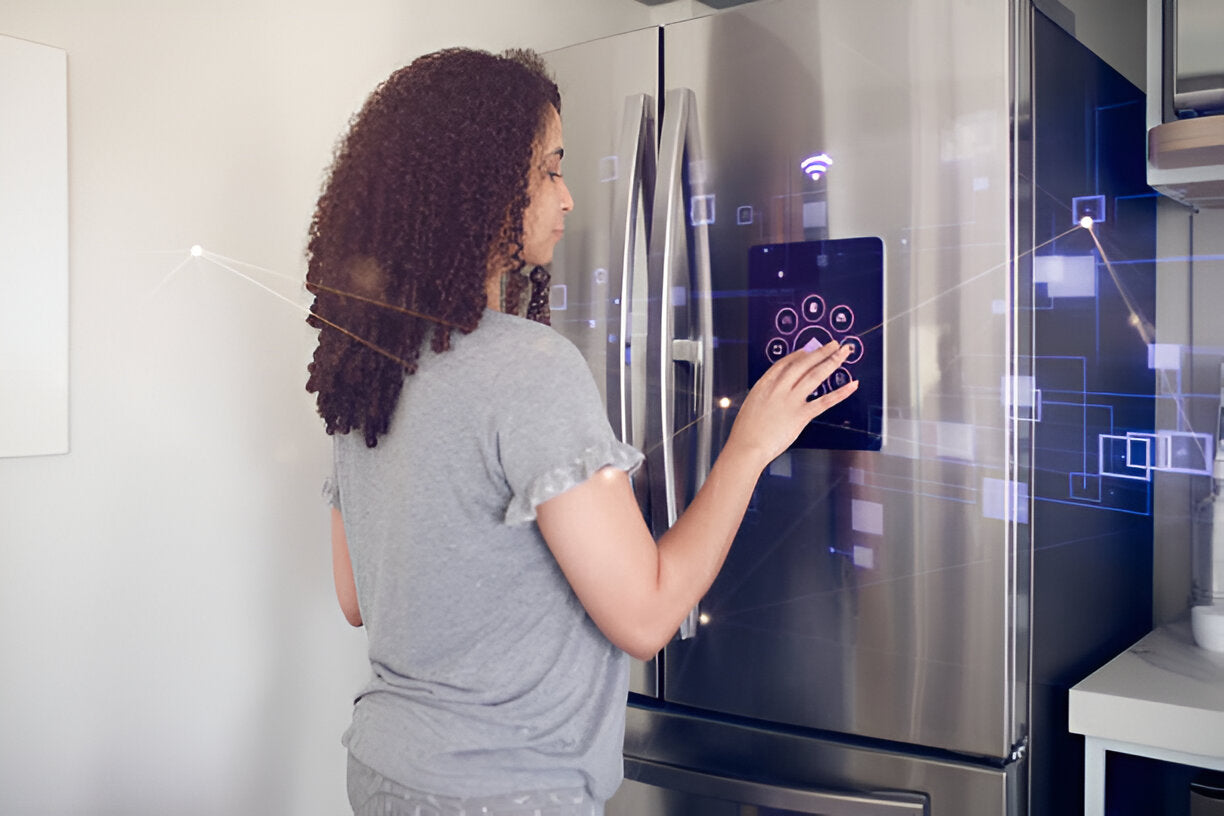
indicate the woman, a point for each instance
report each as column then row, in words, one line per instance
column 484, row 528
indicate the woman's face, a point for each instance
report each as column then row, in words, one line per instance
column 544, row 218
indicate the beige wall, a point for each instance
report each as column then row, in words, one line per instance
column 171, row 642
column 1116, row 31
column 1190, row 295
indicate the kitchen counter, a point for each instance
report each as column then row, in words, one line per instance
column 1162, row 698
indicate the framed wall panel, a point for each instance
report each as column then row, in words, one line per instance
column 33, row 249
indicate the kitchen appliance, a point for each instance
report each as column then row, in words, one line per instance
column 921, row 578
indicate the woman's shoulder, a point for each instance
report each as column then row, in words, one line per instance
column 511, row 355
column 517, row 339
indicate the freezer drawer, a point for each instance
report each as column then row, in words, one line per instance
column 685, row 791
column 730, row 769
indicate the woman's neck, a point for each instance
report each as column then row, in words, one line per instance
column 494, row 291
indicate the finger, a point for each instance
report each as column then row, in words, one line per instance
column 820, row 370
column 809, row 355
column 826, row 401
column 795, row 367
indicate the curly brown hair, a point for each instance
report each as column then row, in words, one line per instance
column 425, row 192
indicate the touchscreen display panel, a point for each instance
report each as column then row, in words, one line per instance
column 832, row 291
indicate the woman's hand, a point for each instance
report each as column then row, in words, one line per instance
column 777, row 408
column 637, row 592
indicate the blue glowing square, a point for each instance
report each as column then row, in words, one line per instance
column 1084, row 486
column 701, row 210
column 1092, row 206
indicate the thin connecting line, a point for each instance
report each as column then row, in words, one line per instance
column 1147, row 334
column 966, row 282
column 1140, row 322
column 318, row 287
column 213, row 256
column 401, row 309
column 220, row 261
column 167, row 277
column 393, row 357
column 228, row 264
column 881, row 325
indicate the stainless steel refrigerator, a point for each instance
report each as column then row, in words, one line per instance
column 907, row 177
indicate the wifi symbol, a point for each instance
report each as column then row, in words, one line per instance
column 816, row 166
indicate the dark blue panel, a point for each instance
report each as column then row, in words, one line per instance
column 827, row 291
column 1093, row 320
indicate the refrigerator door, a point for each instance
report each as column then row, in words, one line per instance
column 599, row 276
column 871, row 592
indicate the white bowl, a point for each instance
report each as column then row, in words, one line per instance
column 1207, row 624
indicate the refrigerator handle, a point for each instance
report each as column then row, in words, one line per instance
column 634, row 177
column 792, row 800
column 679, row 237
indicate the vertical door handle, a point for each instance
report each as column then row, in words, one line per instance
column 680, row 268
column 634, row 185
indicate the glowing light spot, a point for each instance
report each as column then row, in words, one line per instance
column 704, row 618
column 197, row 251
column 1086, row 222
column 725, row 402
column 1133, row 320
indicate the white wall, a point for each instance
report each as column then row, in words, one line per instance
column 1116, row 31
column 171, row 644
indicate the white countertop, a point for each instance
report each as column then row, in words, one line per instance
column 1164, row 692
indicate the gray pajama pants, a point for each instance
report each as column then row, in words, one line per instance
column 372, row 794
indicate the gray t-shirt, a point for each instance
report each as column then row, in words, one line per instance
column 488, row 675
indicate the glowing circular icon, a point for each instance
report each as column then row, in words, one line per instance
column 776, row 349
column 856, row 350
column 813, row 308
column 1086, row 222
column 841, row 318
column 819, row 333
column 786, row 320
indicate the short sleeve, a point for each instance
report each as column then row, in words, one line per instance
column 331, row 485
column 555, row 433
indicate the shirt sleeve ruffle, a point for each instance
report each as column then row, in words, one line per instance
column 613, row 453
column 331, row 491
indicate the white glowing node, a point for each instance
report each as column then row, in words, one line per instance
column 1086, row 222
column 725, row 402
column 197, row 251
column 704, row 618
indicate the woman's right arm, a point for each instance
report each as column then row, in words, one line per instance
column 342, row 571
column 636, row 591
